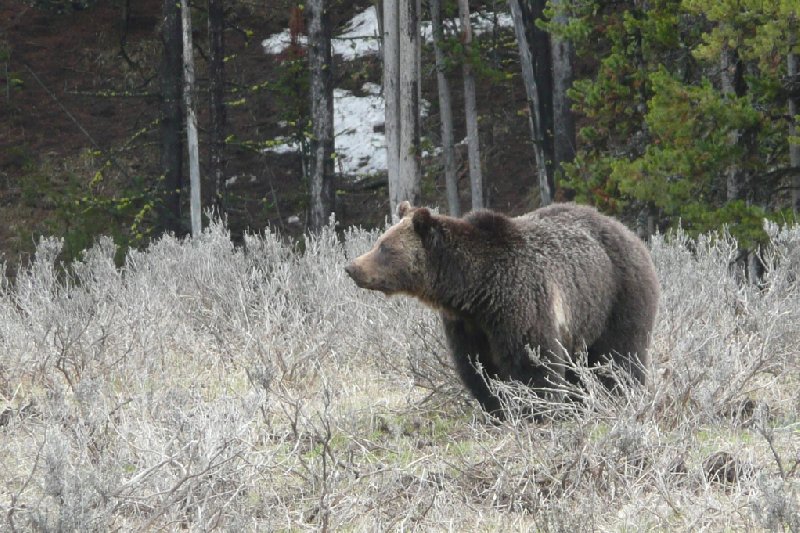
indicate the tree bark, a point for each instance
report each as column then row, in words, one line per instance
column 410, row 175
column 445, row 112
column 539, row 44
column 191, row 120
column 532, row 92
column 216, row 82
column 391, row 94
column 171, row 120
column 731, row 82
column 562, row 54
column 471, row 109
column 401, row 93
column 321, row 145
column 794, row 108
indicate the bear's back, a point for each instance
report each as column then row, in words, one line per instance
column 634, row 277
column 626, row 250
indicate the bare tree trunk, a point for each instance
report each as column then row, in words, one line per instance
column 562, row 54
column 445, row 112
column 171, row 120
column 409, row 185
column 391, row 94
column 216, row 82
column 125, row 21
column 539, row 45
column 794, row 108
column 321, row 145
column 419, row 65
column 732, row 84
column 471, row 109
column 401, row 93
column 535, row 120
column 191, row 120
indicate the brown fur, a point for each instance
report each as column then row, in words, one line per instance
column 562, row 276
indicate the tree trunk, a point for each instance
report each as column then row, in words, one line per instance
column 401, row 93
column 391, row 94
column 321, row 145
column 216, row 83
column 171, row 119
column 539, row 44
column 531, row 91
column 732, row 84
column 794, row 108
column 191, row 120
column 471, row 109
column 409, row 103
column 562, row 54
column 445, row 112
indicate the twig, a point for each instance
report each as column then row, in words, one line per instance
column 769, row 436
column 75, row 121
column 13, row 504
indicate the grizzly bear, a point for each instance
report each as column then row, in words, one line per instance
column 562, row 278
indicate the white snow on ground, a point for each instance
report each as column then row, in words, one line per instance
column 277, row 43
column 361, row 38
column 360, row 149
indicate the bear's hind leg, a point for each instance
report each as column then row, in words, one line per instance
column 627, row 348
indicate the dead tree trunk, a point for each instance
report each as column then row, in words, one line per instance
column 216, row 83
column 391, row 95
column 471, row 109
column 532, row 92
column 321, row 145
column 445, row 112
column 401, row 79
column 171, row 119
column 730, row 81
column 191, row 120
column 794, row 108
column 562, row 54
column 410, row 175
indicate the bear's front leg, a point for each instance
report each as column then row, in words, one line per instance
column 471, row 354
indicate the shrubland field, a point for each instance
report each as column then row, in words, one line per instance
column 204, row 386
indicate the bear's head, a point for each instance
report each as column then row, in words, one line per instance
column 398, row 262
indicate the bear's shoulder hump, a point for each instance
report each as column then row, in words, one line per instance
column 490, row 221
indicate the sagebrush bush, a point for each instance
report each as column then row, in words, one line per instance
column 207, row 386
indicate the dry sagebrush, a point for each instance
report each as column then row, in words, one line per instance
column 204, row 386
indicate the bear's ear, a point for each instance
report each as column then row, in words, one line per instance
column 403, row 209
column 423, row 221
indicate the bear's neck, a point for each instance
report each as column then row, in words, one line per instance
column 459, row 284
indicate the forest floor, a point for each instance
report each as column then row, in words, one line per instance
column 75, row 104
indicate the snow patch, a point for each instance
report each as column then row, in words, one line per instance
column 361, row 38
column 277, row 43
column 360, row 149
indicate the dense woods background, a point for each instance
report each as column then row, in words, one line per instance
column 661, row 113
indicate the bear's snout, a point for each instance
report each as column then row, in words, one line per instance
column 351, row 269
column 364, row 276
column 357, row 274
